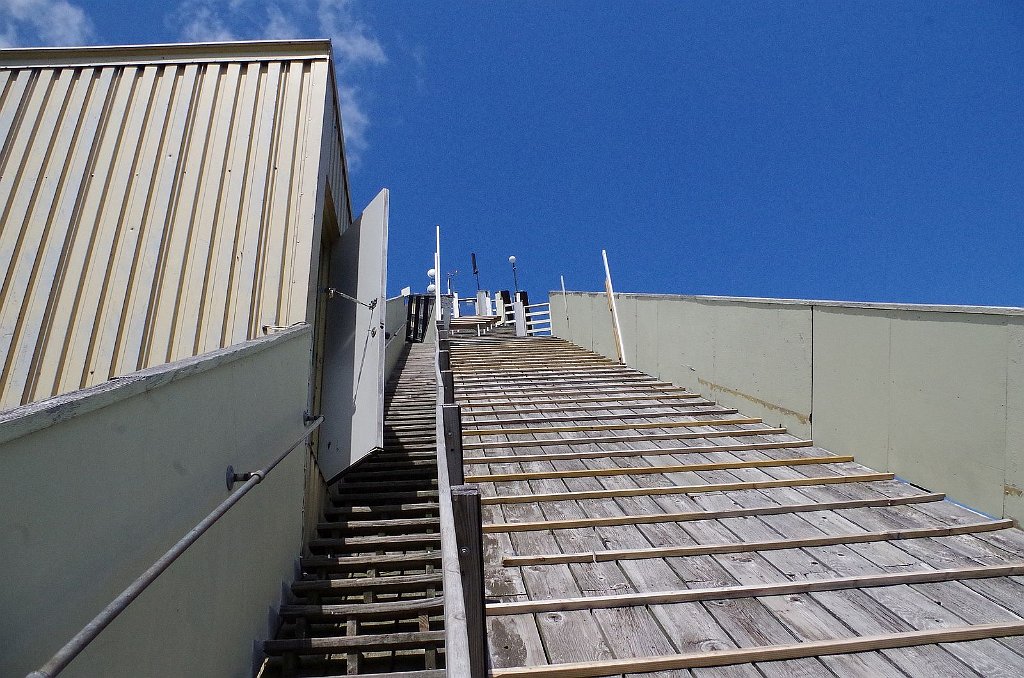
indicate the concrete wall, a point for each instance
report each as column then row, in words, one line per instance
column 934, row 394
column 97, row 484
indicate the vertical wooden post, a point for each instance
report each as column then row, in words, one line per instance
column 448, row 384
column 444, row 360
column 470, row 541
column 451, row 416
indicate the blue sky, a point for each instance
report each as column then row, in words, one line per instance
column 842, row 150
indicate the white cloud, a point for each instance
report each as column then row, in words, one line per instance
column 355, row 46
column 43, row 23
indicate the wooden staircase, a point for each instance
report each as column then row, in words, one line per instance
column 368, row 601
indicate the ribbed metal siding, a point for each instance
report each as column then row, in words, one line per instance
column 150, row 213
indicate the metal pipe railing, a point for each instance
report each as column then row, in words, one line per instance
column 59, row 661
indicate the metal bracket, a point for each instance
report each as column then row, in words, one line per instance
column 335, row 292
column 230, row 477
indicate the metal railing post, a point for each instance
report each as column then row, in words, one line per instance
column 469, row 531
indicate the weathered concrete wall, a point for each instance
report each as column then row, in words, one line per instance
column 932, row 393
column 96, row 489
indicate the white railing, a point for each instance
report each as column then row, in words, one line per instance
column 538, row 319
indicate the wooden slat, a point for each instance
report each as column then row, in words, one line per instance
column 774, row 545
column 471, row 403
column 817, row 648
column 598, row 417
column 690, row 516
column 685, row 489
column 596, row 408
column 387, row 642
column 754, row 591
column 647, row 470
column 638, row 426
column 636, row 452
column 677, row 435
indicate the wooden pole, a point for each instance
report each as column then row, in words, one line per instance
column 469, row 539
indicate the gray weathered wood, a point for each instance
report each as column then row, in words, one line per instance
column 452, row 418
column 469, row 538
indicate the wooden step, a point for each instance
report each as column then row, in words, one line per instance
column 348, row 563
column 407, row 524
column 388, row 610
column 343, row 489
column 391, row 542
column 342, row 644
column 415, row 508
column 359, row 585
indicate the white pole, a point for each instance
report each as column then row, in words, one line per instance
column 620, row 347
column 565, row 301
column 437, row 268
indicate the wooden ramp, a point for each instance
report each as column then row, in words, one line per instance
column 633, row 528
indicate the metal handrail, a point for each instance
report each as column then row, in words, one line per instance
column 59, row 661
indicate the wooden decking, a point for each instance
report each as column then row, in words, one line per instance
column 633, row 528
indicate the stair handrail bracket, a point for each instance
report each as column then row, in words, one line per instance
column 65, row 655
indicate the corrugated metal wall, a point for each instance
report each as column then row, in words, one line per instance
column 151, row 212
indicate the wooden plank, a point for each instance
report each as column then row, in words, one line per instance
column 677, row 435
column 615, row 667
column 637, row 426
column 452, row 418
column 711, row 549
column 686, row 489
column 647, row 470
column 637, row 452
column 633, row 408
column 471, row 403
column 756, row 591
column 469, row 540
column 644, row 519
column 597, row 417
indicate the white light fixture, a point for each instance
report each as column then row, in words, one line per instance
column 512, row 260
column 431, row 273
column 431, row 288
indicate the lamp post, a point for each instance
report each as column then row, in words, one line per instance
column 515, row 277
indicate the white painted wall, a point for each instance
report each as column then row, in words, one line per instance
column 96, row 485
column 934, row 394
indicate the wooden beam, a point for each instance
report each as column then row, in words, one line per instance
column 638, row 426
column 600, row 408
column 693, row 516
column 471, row 403
column 596, row 417
column 747, row 547
column 631, row 452
column 686, row 489
column 648, row 470
column 638, row 388
column 764, row 653
column 755, row 591
column 677, row 435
